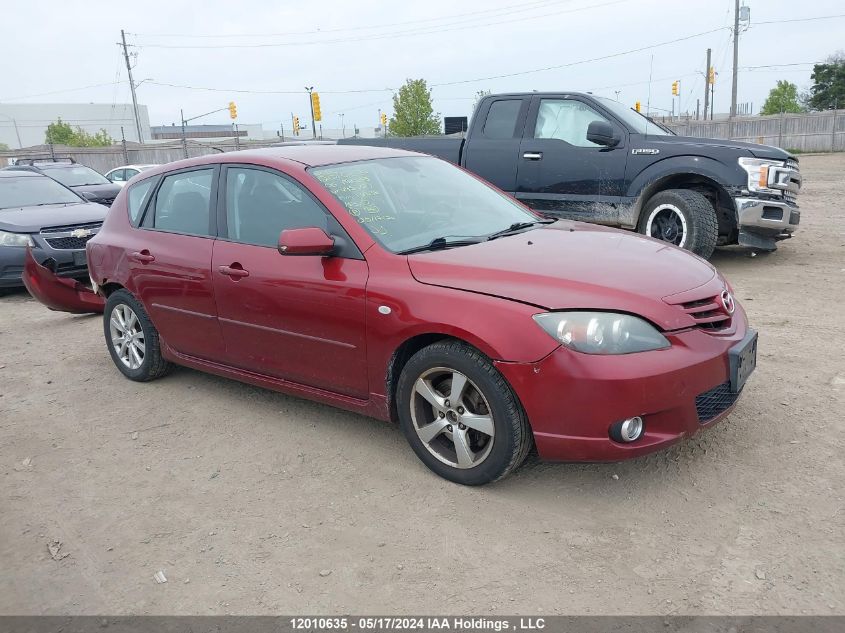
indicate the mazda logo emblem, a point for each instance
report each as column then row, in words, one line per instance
column 728, row 302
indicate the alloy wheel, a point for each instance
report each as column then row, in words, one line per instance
column 667, row 223
column 452, row 417
column 127, row 336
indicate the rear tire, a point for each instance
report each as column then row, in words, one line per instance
column 474, row 437
column 132, row 339
column 681, row 217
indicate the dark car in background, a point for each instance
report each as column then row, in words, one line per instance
column 89, row 184
column 44, row 215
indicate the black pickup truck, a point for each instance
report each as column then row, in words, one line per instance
column 590, row 158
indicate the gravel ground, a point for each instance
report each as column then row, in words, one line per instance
column 252, row 502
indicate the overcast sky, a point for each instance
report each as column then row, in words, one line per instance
column 63, row 47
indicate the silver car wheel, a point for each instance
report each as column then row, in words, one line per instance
column 452, row 417
column 127, row 336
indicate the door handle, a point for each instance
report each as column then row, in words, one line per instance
column 532, row 155
column 142, row 256
column 234, row 271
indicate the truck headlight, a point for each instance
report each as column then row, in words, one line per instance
column 758, row 173
column 15, row 239
column 601, row 332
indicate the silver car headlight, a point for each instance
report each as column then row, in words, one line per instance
column 601, row 332
column 15, row 239
column 758, row 173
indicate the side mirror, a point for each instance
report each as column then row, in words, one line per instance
column 601, row 133
column 306, row 241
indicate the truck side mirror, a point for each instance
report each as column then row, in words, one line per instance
column 601, row 133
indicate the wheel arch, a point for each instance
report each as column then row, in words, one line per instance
column 403, row 353
column 714, row 191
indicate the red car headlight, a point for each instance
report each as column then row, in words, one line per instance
column 601, row 332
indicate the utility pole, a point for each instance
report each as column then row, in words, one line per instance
column 736, row 58
column 123, row 143
column 311, row 103
column 132, row 89
column 707, row 85
column 184, row 140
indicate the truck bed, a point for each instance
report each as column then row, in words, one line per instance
column 447, row 148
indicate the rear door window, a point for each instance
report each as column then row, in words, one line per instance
column 501, row 118
column 182, row 203
column 135, row 199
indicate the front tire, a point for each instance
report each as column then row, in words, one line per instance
column 681, row 217
column 460, row 416
column 132, row 339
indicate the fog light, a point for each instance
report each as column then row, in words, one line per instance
column 628, row 430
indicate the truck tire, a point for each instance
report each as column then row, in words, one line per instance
column 681, row 217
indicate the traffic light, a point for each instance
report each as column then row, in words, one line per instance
column 296, row 125
column 233, row 110
column 315, row 106
column 675, row 88
column 637, row 106
column 711, row 76
column 383, row 118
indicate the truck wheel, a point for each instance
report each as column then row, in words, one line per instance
column 681, row 217
column 460, row 415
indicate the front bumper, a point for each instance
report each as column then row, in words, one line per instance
column 572, row 399
column 762, row 223
column 65, row 263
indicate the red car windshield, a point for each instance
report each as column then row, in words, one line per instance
column 409, row 201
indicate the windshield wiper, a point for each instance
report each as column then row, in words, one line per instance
column 517, row 226
column 438, row 243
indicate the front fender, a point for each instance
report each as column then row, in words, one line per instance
column 59, row 293
column 723, row 175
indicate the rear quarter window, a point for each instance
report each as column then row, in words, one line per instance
column 501, row 118
column 135, row 198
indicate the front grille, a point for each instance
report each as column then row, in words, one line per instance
column 67, row 228
column 68, row 243
column 708, row 314
column 790, row 197
column 711, row 403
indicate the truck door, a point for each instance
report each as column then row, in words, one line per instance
column 492, row 150
column 563, row 174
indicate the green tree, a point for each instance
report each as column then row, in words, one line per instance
column 61, row 133
column 782, row 98
column 413, row 114
column 828, row 89
column 4, row 147
column 478, row 97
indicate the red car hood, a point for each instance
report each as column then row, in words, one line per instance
column 573, row 265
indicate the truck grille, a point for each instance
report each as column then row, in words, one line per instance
column 790, row 196
column 717, row 400
column 708, row 314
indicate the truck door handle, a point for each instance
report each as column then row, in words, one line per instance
column 235, row 271
column 142, row 256
column 532, row 155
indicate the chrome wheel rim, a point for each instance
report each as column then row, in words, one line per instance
column 452, row 418
column 667, row 223
column 127, row 336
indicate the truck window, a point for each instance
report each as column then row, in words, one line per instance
column 501, row 119
column 566, row 120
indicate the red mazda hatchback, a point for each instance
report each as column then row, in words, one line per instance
column 399, row 286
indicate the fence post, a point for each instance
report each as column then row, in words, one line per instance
column 780, row 130
column 833, row 130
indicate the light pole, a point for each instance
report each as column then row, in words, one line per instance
column 617, row 94
column 311, row 103
column 342, row 126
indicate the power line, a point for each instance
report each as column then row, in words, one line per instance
column 380, row 36
column 818, row 17
column 582, row 61
column 266, row 92
column 55, row 92
column 522, row 6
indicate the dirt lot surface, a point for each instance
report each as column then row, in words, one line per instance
column 254, row 502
